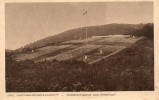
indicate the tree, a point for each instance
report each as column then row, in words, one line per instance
column 147, row 31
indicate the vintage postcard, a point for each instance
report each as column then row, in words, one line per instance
column 79, row 50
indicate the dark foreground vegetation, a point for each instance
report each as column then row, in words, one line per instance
column 130, row 70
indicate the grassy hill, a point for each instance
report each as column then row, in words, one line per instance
column 130, row 70
column 78, row 33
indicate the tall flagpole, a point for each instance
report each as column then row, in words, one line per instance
column 86, row 39
column 85, row 13
column 86, row 29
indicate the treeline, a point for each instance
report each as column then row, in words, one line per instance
column 147, row 31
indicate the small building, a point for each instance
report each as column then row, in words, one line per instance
column 100, row 51
column 85, row 57
column 32, row 50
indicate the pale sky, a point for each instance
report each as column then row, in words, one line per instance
column 28, row 22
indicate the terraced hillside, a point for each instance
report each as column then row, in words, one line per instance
column 96, row 49
column 72, row 53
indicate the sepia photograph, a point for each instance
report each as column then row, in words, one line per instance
column 79, row 46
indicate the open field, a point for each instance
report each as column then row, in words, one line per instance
column 106, row 50
column 79, row 41
column 78, row 49
column 40, row 52
column 72, row 53
column 109, row 50
column 124, row 41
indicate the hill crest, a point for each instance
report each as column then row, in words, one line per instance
column 100, row 30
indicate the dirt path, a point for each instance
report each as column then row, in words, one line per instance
column 106, row 56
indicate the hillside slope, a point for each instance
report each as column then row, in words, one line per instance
column 78, row 33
